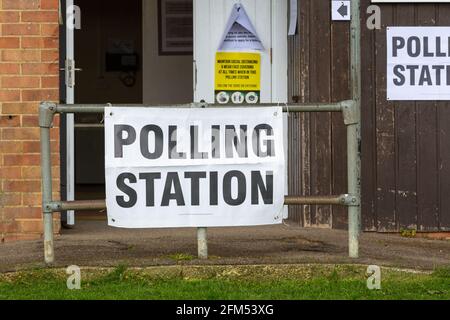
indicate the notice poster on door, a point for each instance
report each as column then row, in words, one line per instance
column 237, row 78
column 240, row 34
column 238, row 61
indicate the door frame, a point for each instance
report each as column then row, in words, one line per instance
column 70, row 118
column 66, row 134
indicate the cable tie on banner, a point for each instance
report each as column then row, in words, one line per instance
column 109, row 104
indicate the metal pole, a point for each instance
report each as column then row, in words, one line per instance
column 343, row 200
column 353, row 133
column 46, row 113
column 313, row 107
column 354, row 212
column 202, row 243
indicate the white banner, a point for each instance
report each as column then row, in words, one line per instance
column 169, row 167
column 418, row 63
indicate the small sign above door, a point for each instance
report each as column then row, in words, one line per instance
column 340, row 10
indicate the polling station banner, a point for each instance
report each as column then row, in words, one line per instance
column 418, row 63
column 174, row 167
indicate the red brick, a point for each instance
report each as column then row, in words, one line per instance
column 10, row 199
column 40, row 68
column 15, row 29
column 31, row 146
column 21, row 159
column 9, row 42
column 40, row 95
column 31, row 173
column 23, row 213
column 11, row 173
column 54, row 133
column 9, row 227
column 10, row 147
column 9, row 121
column 30, row 226
column 21, row 55
column 40, row 16
column 9, row 16
column 21, row 4
column 35, row 146
column 49, row 4
column 9, row 68
column 30, row 121
column 56, row 121
column 9, row 95
column 56, row 162
column 29, row 73
column 50, row 30
column 21, row 134
column 32, row 199
column 20, row 82
column 20, row 108
column 50, row 82
column 12, row 237
column 40, row 42
column 21, row 186
column 50, row 56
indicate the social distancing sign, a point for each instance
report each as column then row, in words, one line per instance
column 237, row 77
column 194, row 167
column 418, row 63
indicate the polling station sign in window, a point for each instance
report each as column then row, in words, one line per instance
column 418, row 63
column 194, row 167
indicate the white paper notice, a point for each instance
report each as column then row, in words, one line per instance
column 240, row 35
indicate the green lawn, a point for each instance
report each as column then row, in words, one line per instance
column 257, row 282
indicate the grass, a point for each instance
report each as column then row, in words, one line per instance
column 179, row 257
column 226, row 282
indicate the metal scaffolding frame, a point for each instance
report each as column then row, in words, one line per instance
column 352, row 119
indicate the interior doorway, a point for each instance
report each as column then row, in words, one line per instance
column 129, row 52
column 145, row 52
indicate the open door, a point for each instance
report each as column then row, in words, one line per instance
column 110, row 56
column 157, row 36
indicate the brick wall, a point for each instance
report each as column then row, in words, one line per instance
column 29, row 73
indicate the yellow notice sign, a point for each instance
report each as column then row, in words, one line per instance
column 238, row 77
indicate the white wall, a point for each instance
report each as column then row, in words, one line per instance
column 167, row 79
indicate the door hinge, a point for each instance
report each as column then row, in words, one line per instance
column 271, row 55
column 70, row 70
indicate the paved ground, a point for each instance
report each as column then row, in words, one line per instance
column 92, row 243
